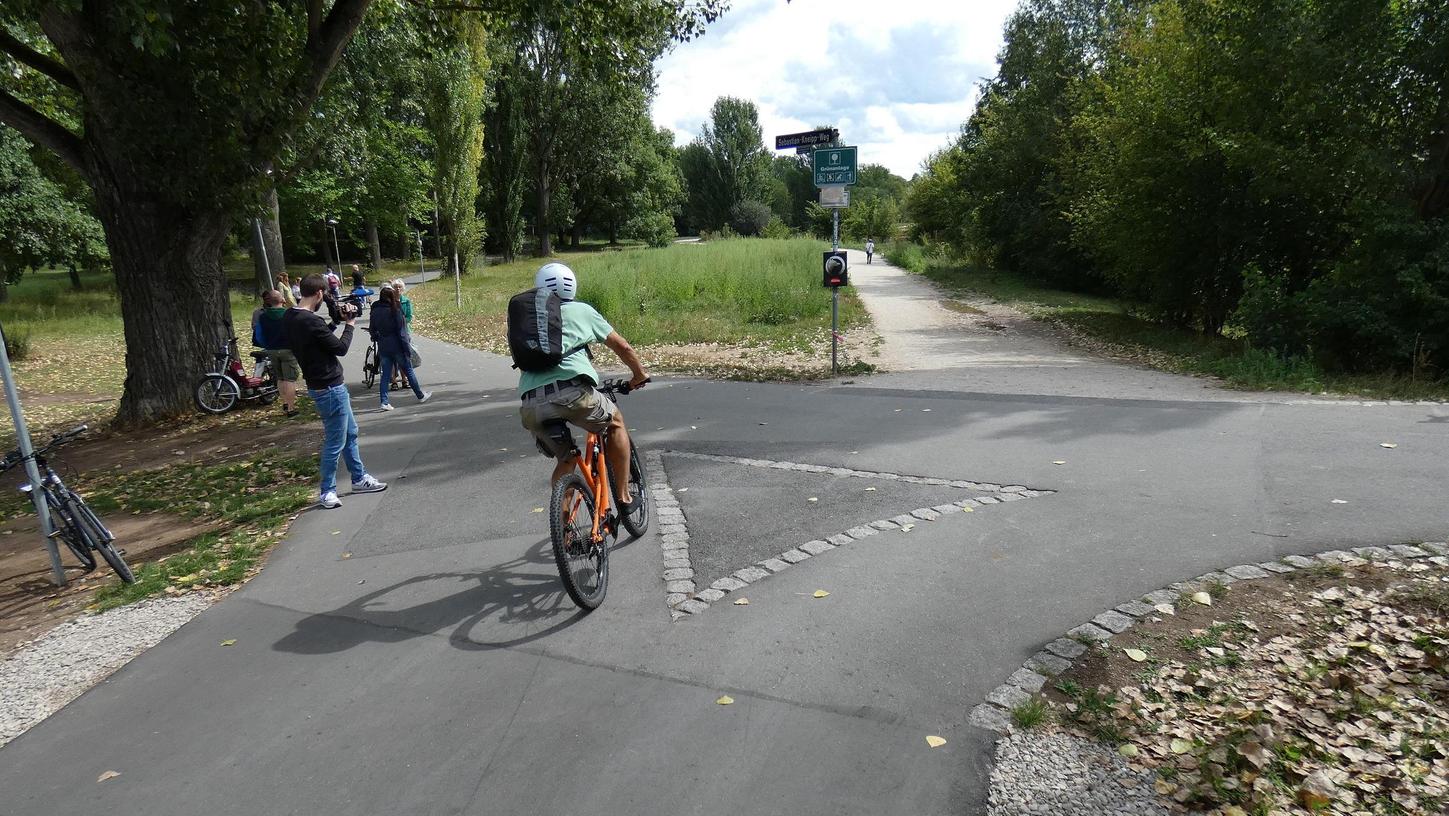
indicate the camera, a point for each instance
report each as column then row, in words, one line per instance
column 341, row 311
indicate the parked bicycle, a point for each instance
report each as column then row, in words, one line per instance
column 228, row 383
column 582, row 523
column 371, row 363
column 72, row 520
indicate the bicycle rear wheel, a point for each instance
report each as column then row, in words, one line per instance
column 370, row 367
column 65, row 530
column 89, row 523
column 636, row 522
column 583, row 565
column 216, row 393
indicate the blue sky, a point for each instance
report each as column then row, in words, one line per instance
column 898, row 78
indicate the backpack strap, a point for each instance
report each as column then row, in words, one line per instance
column 571, row 352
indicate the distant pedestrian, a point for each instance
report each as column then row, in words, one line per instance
column 360, row 292
column 394, row 345
column 269, row 335
column 869, row 249
column 287, row 289
column 317, row 350
column 334, row 284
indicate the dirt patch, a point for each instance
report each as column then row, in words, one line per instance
column 1323, row 690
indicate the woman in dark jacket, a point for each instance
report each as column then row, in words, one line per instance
column 390, row 330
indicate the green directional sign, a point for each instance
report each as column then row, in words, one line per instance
column 833, row 165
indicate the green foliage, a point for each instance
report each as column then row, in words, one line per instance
column 777, row 230
column 1268, row 168
column 726, row 165
column 41, row 224
column 750, row 218
column 454, row 83
column 655, row 229
column 1031, row 713
column 17, row 343
column 907, row 255
column 871, row 215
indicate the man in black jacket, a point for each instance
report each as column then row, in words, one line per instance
column 317, row 350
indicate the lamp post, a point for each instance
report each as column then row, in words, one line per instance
column 336, row 253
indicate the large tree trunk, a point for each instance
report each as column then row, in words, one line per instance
column 327, row 247
column 372, row 243
column 171, row 330
column 272, row 233
column 75, row 279
column 544, row 225
column 576, row 235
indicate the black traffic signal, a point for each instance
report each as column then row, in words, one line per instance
column 836, row 272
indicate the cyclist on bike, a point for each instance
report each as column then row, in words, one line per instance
column 567, row 391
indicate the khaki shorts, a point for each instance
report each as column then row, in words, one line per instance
column 284, row 362
column 577, row 405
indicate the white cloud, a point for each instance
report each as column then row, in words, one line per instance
column 897, row 78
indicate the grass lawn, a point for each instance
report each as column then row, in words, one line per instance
column 1112, row 326
column 749, row 308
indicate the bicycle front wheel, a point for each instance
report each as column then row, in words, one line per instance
column 65, row 529
column 636, row 522
column 216, row 393
column 90, row 526
column 583, row 564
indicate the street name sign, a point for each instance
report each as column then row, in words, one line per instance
column 810, row 138
column 833, row 165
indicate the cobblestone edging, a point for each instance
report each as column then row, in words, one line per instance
column 684, row 597
column 1058, row 656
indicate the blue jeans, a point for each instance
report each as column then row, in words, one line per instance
column 405, row 363
column 339, row 435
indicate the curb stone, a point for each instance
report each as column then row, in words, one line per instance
column 684, row 597
column 1059, row 655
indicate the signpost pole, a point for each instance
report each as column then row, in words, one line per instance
column 457, row 281
column 22, row 435
column 834, row 298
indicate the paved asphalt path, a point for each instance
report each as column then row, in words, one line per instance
column 411, row 653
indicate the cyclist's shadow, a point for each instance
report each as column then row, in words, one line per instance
column 521, row 593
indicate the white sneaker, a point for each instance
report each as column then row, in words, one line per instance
column 427, row 395
column 387, row 407
column 329, row 500
column 368, row 484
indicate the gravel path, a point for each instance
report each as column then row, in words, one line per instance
column 41, row 676
column 1056, row 774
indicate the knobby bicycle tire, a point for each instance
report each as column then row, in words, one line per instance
column 637, row 522
column 65, row 529
column 96, row 534
column 571, row 514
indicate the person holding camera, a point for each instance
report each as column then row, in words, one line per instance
column 317, row 350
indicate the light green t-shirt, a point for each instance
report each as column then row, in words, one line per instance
column 582, row 324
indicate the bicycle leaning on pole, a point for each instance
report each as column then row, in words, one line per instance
column 75, row 523
column 582, row 524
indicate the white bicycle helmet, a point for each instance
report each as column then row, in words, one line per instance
column 557, row 278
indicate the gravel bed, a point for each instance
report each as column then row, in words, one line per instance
column 41, row 676
column 1055, row 774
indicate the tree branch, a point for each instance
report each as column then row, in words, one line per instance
column 29, row 56
column 41, row 129
column 314, row 17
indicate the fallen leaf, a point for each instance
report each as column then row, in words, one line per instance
column 108, row 775
column 812, row 499
column 682, row 490
column 229, row 642
column 742, row 602
column 1166, row 609
column 1254, row 752
column 725, row 700
column 1202, row 598
column 906, row 528
column 925, row 410
column 820, row 593
column 1388, row 444
column 1180, row 746
column 347, row 555
column 1137, row 655
column 537, row 510
column 1060, row 462
column 1338, row 501
column 336, row 532
column 935, row 741
column 870, row 490
column 1128, row 750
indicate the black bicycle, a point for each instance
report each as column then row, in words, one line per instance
column 72, row 520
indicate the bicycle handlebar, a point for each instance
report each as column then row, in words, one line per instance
column 622, row 387
column 14, row 458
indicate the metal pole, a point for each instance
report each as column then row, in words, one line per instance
column 262, row 252
column 22, row 435
column 336, row 252
column 457, row 280
column 422, row 268
column 834, row 297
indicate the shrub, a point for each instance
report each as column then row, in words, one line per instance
column 907, row 255
column 654, row 229
column 750, row 218
column 17, row 343
column 778, row 229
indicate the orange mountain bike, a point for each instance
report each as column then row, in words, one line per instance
column 584, row 517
